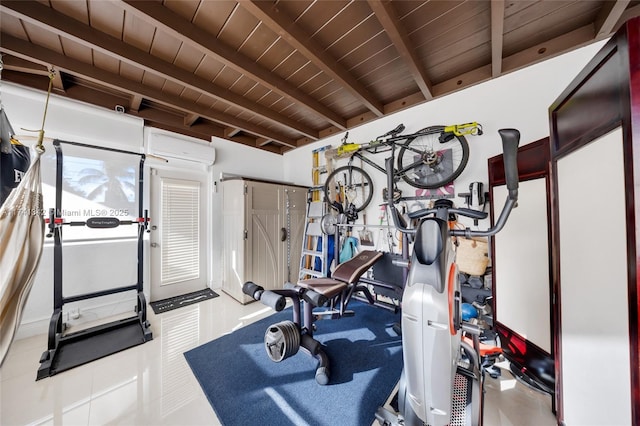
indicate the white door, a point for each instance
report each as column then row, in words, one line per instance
column 178, row 237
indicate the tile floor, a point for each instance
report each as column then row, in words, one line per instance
column 152, row 384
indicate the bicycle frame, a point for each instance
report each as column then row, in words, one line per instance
column 436, row 155
column 390, row 141
column 374, row 165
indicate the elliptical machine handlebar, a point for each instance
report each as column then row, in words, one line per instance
column 510, row 141
column 474, row 214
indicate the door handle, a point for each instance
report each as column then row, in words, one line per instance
column 283, row 234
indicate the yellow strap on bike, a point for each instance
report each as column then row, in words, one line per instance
column 464, row 129
column 348, row 148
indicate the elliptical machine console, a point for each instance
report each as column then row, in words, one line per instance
column 436, row 388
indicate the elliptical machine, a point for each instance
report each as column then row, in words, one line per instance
column 442, row 380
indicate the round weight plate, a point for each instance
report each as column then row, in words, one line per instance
column 328, row 224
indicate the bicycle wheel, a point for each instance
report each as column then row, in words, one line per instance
column 349, row 185
column 425, row 162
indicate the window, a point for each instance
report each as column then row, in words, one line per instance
column 180, row 230
column 95, row 183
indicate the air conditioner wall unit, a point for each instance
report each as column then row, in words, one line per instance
column 169, row 147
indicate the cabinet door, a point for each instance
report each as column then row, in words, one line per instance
column 264, row 255
column 268, row 254
column 234, row 226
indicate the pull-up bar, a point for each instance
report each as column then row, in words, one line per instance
column 95, row 222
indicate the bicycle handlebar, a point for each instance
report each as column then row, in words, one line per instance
column 510, row 140
column 473, row 128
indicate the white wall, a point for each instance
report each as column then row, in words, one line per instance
column 520, row 99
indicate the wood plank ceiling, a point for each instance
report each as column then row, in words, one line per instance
column 276, row 75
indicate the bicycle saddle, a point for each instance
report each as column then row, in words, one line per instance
column 395, row 131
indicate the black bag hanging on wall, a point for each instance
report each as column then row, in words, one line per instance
column 15, row 158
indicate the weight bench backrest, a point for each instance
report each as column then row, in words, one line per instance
column 351, row 270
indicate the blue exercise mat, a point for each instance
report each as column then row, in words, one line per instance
column 245, row 387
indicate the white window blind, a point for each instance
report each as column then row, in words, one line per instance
column 180, row 230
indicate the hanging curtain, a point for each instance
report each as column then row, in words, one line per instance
column 22, row 231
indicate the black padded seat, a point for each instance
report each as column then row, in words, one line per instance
column 346, row 273
column 327, row 287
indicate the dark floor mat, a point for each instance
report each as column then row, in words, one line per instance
column 245, row 387
column 164, row 305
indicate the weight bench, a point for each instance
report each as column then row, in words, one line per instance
column 283, row 339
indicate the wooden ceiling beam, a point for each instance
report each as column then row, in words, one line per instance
column 497, row 36
column 246, row 140
column 299, row 39
column 609, row 16
column 44, row 56
column 58, row 81
column 190, row 119
column 231, row 132
column 400, row 39
column 20, row 65
column 263, row 142
column 185, row 31
column 51, row 20
column 135, row 102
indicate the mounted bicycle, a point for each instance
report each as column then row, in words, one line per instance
column 428, row 159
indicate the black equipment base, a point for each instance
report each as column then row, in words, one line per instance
column 171, row 303
column 91, row 344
